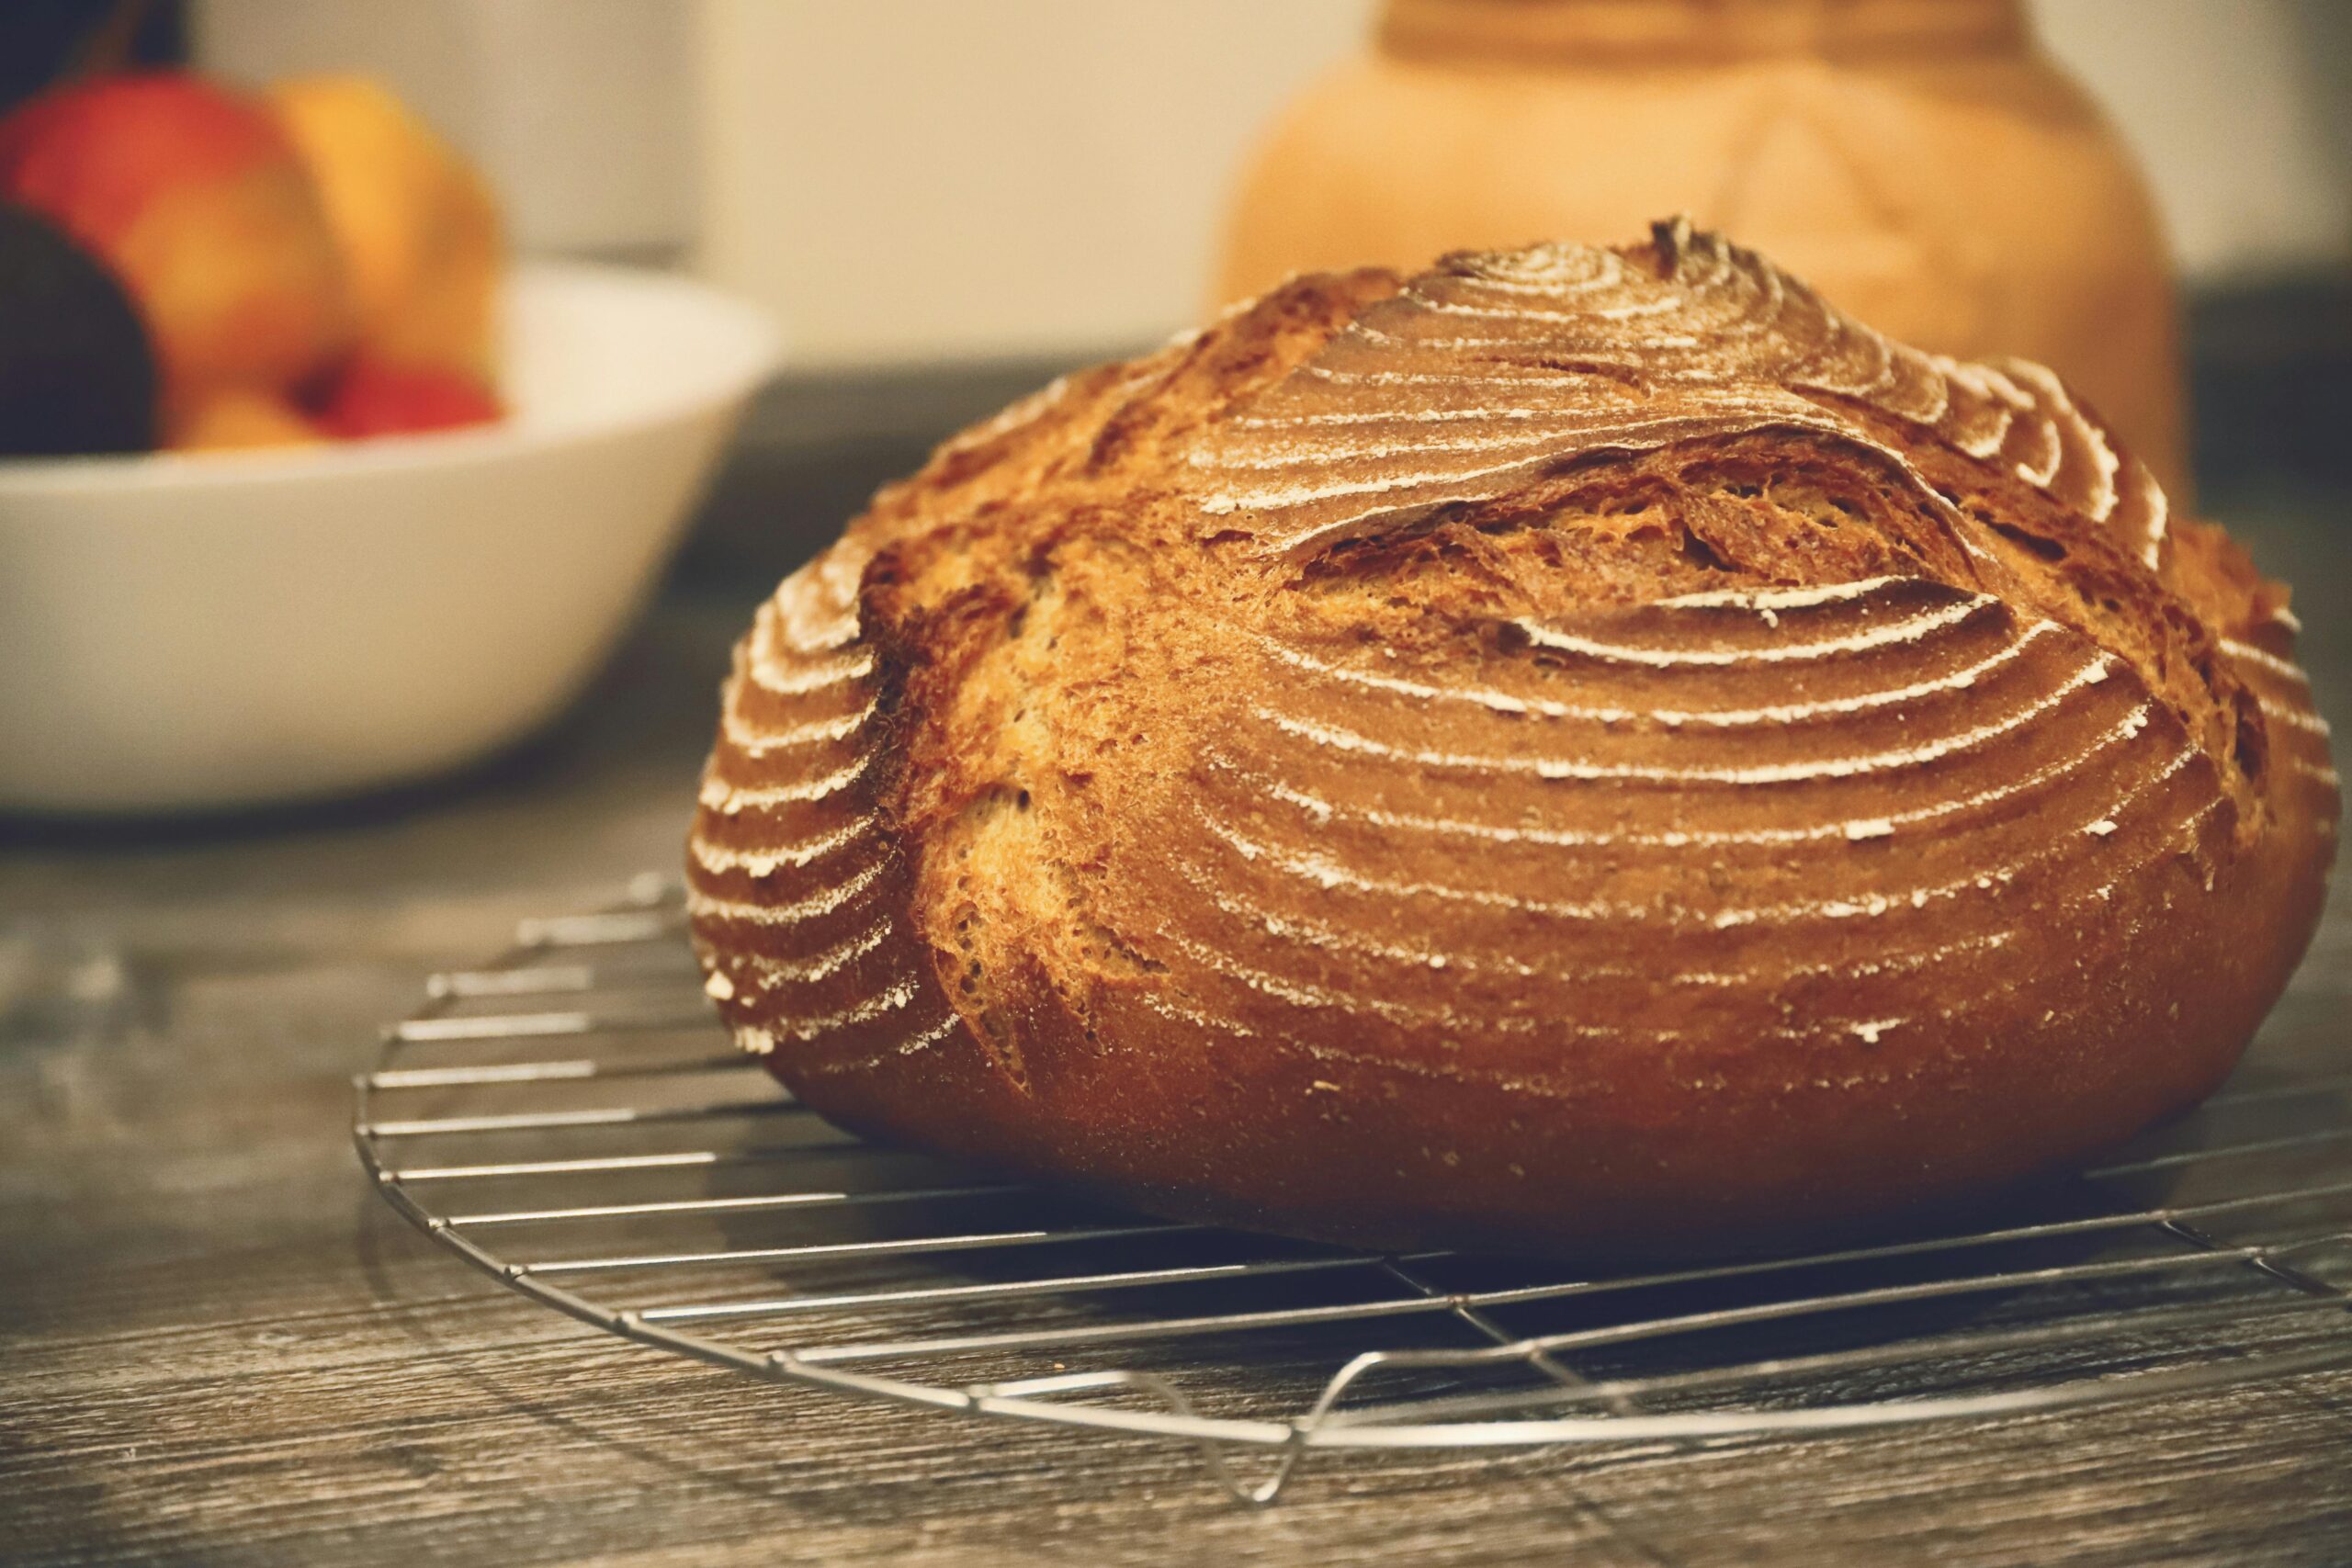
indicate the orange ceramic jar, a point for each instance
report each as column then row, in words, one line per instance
column 1920, row 161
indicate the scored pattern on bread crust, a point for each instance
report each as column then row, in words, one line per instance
column 1184, row 768
column 2283, row 694
column 789, row 866
column 2053, row 732
column 2053, row 781
column 1518, row 361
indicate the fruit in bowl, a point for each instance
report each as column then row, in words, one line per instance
column 76, row 373
column 309, row 264
column 416, row 228
column 377, row 397
column 187, row 270
column 195, row 199
column 181, row 632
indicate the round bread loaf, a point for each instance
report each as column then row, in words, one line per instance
column 1580, row 750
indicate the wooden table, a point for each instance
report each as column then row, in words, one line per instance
column 217, row 1345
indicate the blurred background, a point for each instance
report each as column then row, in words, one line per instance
column 914, row 180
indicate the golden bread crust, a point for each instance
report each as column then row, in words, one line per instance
column 1581, row 750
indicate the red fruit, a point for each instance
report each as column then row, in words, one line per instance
column 101, row 150
column 374, row 399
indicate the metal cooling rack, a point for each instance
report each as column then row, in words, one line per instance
column 571, row 1120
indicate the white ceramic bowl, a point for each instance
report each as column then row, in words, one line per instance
column 181, row 632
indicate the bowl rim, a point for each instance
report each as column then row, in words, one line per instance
column 130, row 472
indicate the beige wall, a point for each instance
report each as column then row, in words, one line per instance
column 909, row 178
column 2242, row 111
column 581, row 112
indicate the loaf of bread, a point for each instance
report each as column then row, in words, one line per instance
column 1579, row 750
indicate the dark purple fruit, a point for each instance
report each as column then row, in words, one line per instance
column 76, row 372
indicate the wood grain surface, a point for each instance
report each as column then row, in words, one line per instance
column 218, row 1345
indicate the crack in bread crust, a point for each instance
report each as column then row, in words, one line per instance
column 1581, row 750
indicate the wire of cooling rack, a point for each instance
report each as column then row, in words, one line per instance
column 570, row 1118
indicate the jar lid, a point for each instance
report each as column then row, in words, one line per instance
column 1604, row 31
